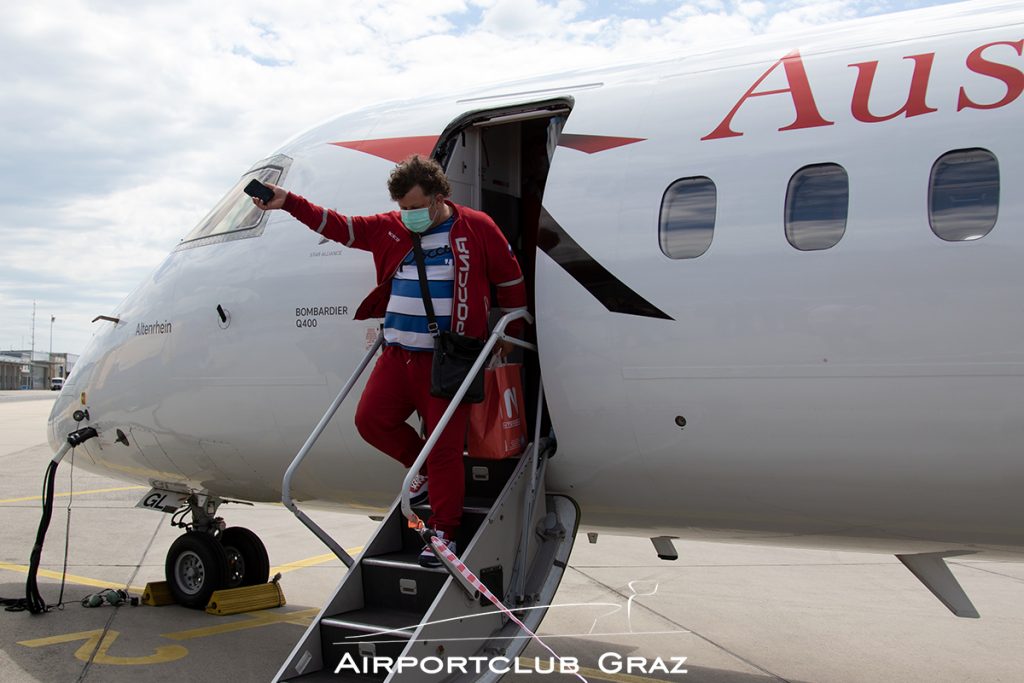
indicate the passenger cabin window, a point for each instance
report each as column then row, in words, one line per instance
column 817, row 203
column 687, row 220
column 963, row 195
column 234, row 216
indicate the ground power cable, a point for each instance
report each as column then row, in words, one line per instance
column 67, row 532
column 31, row 588
column 33, row 601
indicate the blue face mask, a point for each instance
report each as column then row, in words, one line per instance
column 417, row 220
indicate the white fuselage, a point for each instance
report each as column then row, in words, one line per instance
column 869, row 395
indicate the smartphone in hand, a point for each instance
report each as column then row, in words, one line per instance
column 258, row 190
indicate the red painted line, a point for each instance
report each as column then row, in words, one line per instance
column 591, row 144
column 398, row 149
column 393, row 149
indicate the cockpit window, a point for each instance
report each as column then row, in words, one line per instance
column 234, row 216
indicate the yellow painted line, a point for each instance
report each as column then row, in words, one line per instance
column 589, row 673
column 91, row 636
column 76, row 493
column 70, row 578
column 312, row 561
column 299, row 618
column 97, row 583
column 615, row 678
column 163, row 654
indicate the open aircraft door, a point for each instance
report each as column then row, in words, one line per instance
column 551, row 174
column 498, row 160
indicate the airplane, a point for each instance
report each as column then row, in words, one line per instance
column 774, row 288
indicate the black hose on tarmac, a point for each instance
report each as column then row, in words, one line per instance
column 33, row 600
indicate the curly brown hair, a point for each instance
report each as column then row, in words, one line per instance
column 418, row 170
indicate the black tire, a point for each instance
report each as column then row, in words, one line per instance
column 196, row 567
column 248, row 564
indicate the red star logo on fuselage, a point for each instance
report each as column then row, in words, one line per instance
column 397, row 149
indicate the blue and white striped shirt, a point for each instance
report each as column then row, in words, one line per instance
column 405, row 322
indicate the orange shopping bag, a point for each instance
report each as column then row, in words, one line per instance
column 496, row 426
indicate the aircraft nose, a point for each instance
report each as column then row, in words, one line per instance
column 61, row 422
column 73, row 398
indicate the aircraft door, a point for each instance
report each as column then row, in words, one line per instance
column 587, row 299
column 497, row 161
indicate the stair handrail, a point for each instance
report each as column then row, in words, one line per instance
column 518, row 583
column 286, row 483
column 453, row 405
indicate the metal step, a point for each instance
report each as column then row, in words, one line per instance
column 366, row 633
column 472, row 505
column 376, row 620
column 519, row 549
column 401, row 560
column 397, row 581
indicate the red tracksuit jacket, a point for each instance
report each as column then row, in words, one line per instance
column 482, row 255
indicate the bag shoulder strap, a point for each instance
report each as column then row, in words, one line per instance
column 421, row 270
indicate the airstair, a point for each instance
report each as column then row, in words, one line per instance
column 390, row 617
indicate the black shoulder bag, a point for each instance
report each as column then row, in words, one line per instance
column 454, row 354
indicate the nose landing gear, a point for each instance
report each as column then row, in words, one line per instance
column 209, row 557
column 196, row 566
column 248, row 564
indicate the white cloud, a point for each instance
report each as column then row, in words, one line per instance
column 811, row 13
column 751, row 10
column 122, row 123
column 530, row 17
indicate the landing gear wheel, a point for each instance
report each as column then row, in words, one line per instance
column 196, row 566
column 248, row 564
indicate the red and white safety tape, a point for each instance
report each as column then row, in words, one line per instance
column 455, row 564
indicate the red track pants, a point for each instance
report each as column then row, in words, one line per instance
column 399, row 385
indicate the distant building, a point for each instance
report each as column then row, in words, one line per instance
column 11, row 367
column 21, row 369
column 61, row 364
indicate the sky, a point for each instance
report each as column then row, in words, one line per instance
column 122, row 123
